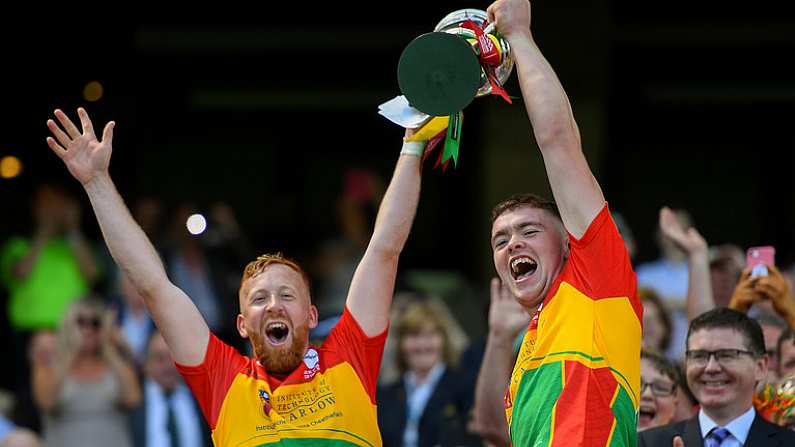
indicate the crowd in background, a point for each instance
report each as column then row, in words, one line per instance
column 89, row 368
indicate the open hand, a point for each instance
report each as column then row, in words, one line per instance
column 84, row 155
column 687, row 239
column 506, row 316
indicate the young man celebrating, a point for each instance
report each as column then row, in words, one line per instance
column 289, row 391
column 576, row 380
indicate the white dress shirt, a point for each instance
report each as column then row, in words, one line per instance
column 417, row 397
column 187, row 418
column 738, row 428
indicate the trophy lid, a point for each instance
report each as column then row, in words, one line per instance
column 439, row 73
column 455, row 18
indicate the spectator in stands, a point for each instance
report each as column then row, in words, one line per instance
column 774, row 291
column 430, row 403
column 168, row 415
column 43, row 274
column 133, row 319
column 785, row 351
column 656, row 322
column 726, row 262
column 679, row 236
column 726, row 360
column 659, row 380
column 668, row 275
column 82, row 382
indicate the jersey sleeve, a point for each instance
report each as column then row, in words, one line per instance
column 600, row 264
column 210, row 380
column 363, row 353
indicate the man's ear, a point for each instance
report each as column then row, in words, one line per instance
column 761, row 368
column 241, row 326
column 312, row 316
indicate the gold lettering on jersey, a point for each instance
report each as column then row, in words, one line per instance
column 310, row 400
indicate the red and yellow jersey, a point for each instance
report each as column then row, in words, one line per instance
column 577, row 377
column 329, row 400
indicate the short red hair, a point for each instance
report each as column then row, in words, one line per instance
column 262, row 262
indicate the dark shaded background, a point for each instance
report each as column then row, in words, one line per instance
column 266, row 107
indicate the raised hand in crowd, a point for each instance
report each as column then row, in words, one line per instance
column 773, row 287
column 690, row 241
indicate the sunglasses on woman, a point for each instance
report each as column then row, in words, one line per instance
column 92, row 322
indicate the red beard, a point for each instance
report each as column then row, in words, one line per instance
column 282, row 359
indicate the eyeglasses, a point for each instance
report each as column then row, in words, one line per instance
column 659, row 389
column 89, row 322
column 700, row 357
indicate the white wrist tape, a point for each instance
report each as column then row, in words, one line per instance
column 416, row 148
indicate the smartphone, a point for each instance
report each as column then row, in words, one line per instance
column 758, row 258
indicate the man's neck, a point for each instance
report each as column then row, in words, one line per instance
column 723, row 416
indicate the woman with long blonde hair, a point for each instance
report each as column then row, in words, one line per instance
column 83, row 380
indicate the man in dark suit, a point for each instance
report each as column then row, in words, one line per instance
column 725, row 360
column 168, row 415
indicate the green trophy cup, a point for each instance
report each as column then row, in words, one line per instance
column 441, row 72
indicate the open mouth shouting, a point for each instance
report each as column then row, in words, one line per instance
column 522, row 268
column 277, row 332
column 646, row 415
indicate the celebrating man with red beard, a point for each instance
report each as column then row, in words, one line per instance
column 290, row 391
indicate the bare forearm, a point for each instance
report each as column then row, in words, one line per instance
column 46, row 386
column 130, row 395
column 397, row 210
column 495, row 372
column 699, row 286
column 126, row 241
column 373, row 282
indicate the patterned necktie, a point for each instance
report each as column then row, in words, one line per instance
column 716, row 437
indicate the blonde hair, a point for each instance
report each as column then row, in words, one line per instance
column 415, row 318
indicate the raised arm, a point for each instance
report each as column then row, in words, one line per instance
column 690, row 241
column 373, row 282
column 49, row 366
column 113, row 350
column 506, row 318
column 87, row 159
column 576, row 191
